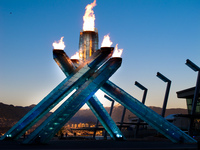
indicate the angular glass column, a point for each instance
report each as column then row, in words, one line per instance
column 94, row 104
column 53, row 123
column 61, row 91
column 143, row 112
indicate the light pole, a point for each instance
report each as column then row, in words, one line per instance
column 142, row 88
column 143, row 101
column 196, row 93
column 163, row 78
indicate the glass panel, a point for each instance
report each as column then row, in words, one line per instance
column 198, row 107
column 189, row 105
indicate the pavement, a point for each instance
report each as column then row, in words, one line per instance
column 80, row 144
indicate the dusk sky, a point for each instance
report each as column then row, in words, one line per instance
column 156, row 35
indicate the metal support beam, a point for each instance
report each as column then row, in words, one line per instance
column 144, row 89
column 143, row 101
column 194, row 104
column 196, row 94
column 163, row 78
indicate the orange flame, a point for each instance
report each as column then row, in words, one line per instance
column 89, row 17
column 75, row 56
column 59, row 45
column 106, row 41
column 117, row 52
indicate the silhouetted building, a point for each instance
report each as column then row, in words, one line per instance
column 188, row 94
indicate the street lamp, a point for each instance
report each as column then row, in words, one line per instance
column 163, row 78
column 193, row 66
column 143, row 101
column 142, row 88
column 196, row 92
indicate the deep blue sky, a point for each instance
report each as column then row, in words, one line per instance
column 156, row 35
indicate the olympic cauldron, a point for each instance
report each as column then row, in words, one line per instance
column 84, row 76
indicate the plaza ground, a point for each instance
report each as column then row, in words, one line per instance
column 89, row 144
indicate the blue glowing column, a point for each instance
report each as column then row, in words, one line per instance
column 76, row 79
column 64, row 113
column 146, row 114
column 111, row 109
column 94, row 104
column 152, row 118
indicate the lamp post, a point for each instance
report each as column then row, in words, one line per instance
column 143, row 101
column 142, row 88
column 163, row 78
column 196, row 93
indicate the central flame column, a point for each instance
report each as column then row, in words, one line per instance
column 88, row 44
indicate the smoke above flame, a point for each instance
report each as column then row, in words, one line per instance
column 75, row 56
column 89, row 17
column 59, row 45
column 106, row 41
column 117, row 52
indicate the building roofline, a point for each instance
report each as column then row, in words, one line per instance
column 187, row 93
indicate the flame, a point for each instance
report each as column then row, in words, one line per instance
column 89, row 17
column 117, row 52
column 106, row 41
column 59, row 45
column 75, row 56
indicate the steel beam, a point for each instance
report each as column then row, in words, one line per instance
column 194, row 67
column 143, row 101
column 165, row 79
